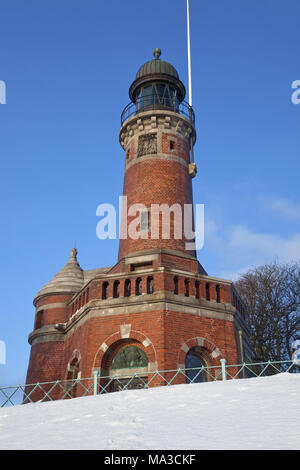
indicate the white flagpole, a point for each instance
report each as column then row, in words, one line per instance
column 189, row 67
column 189, row 51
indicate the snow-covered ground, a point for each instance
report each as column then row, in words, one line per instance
column 258, row 413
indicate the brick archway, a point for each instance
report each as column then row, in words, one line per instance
column 134, row 337
column 210, row 348
column 75, row 358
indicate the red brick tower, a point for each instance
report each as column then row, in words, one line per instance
column 156, row 309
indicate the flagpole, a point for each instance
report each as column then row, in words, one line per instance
column 189, row 66
column 189, row 51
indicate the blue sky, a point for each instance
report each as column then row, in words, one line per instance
column 68, row 65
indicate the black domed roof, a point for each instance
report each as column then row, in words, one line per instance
column 157, row 66
column 157, row 70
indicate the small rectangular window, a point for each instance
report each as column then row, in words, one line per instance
column 140, row 266
column 172, row 145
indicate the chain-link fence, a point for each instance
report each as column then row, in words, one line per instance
column 81, row 387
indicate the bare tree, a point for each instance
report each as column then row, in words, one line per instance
column 272, row 296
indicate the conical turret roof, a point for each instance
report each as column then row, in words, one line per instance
column 69, row 279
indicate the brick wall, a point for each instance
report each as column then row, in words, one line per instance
column 156, row 182
column 53, row 309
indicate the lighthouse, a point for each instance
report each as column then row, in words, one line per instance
column 156, row 308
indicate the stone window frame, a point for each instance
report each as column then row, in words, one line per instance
column 147, row 144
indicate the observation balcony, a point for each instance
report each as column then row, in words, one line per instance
column 154, row 102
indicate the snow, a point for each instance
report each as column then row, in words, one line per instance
column 257, row 413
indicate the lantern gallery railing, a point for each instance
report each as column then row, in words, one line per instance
column 152, row 102
column 97, row 385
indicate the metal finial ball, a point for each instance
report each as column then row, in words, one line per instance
column 157, row 53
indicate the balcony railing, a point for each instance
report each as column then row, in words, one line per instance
column 153, row 102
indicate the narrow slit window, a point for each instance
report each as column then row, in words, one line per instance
column 218, row 294
column 207, row 288
column 116, row 292
column 197, row 290
column 39, row 319
column 176, row 285
column 187, row 287
column 150, row 287
column 104, row 290
column 138, row 286
column 172, row 145
column 127, row 291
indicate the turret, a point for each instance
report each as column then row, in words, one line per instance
column 47, row 339
column 157, row 133
column 50, row 301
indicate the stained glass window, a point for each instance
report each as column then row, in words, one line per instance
column 129, row 357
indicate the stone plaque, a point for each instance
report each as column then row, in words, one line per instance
column 129, row 357
column 147, row 144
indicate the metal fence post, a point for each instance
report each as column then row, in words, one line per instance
column 223, row 365
column 96, row 375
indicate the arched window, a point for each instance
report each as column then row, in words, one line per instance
column 71, row 385
column 197, row 290
column 194, row 367
column 39, row 319
column 176, row 285
column 150, row 288
column 129, row 357
column 116, row 292
column 133, row 358
column 207, row 291
column 218, row 293
column 104, row 290
column 138, row 286
column 127, row 288
column 187, row 287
